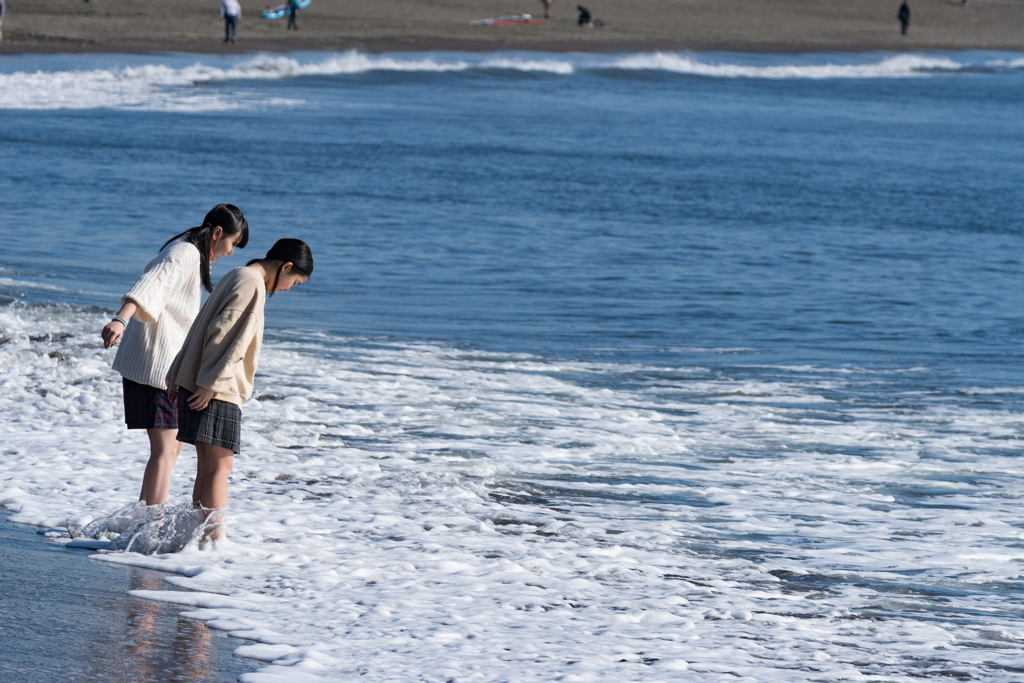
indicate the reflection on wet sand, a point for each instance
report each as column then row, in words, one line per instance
column 150, row 657
column 66, row 618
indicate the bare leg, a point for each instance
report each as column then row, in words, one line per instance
column 197, row 488
column 164, row 449
column 215, row 463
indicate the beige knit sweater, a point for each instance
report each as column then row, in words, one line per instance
column 222, row 349
column 168, row 296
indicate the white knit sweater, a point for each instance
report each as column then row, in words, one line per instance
column 168, row 296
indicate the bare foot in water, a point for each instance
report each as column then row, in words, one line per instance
column 214, row 527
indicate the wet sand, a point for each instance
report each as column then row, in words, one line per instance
column 387, row 25
column 64, row 617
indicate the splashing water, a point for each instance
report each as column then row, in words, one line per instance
column 151, row 530
column 112, row 525
column 165, row 530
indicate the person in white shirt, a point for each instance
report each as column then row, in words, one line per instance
column 230, row 12
column 156, row 315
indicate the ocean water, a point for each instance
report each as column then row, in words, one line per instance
column 635, row 367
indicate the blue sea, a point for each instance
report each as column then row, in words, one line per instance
column 659, row 366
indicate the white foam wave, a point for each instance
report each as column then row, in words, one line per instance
column 1005, row 63
column 265, row 66
column 163, row 87
column 153, row 87
column 898, row 66
column 8, row 282
column 553, row 66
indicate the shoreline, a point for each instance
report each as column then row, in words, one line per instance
column 376, row 26
column 383, row 46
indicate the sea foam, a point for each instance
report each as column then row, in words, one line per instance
column 412, row 511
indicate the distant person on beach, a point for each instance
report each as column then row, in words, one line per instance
column 585, row 16
column 904, row 17
column 213, row 372
column 3, row 13
column 293, row 12
column 155, row 316
column 230, row 12
column 547, row 7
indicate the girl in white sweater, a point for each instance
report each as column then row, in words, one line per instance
column 155, row 316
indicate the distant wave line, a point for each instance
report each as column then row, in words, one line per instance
column 167, row 88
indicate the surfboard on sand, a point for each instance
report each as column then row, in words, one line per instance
column 282, row 10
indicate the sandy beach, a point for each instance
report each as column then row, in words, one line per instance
column 383, row 25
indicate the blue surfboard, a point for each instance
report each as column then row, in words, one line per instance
column 282, row 10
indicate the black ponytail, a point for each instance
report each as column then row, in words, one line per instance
column 288, row 250
column 229, row 218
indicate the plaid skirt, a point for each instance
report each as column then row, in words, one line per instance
column 220, row 423
column 147, row 407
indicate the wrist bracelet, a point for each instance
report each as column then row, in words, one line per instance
column 120, row 320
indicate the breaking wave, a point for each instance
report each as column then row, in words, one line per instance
column 174, row 85
column 898, row 66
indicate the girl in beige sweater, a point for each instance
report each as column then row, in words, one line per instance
column 155, row 315
column 213, row 373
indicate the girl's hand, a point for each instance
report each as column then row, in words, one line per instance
column 199, row 400
column 114, row 330
column 112, row 333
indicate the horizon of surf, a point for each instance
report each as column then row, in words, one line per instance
column 173, row 81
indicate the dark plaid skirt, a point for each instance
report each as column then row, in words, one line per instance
column 147, row 407
column 220, row 423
